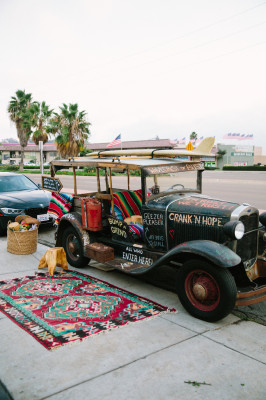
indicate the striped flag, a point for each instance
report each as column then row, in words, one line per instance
column 115, row 142
column 228, row 136
column 235, row 136
column 249, row 137
column 182, row 141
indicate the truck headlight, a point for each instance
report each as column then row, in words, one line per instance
column 12, row 211
column 234, row 229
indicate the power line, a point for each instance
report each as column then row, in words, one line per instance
column 199, row 45
column 190, row 49
column 193, row 32
column 207, row 60
column 219, row 56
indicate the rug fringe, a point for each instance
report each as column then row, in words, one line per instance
column 78, row 341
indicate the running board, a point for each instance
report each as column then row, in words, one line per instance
column 127, row 266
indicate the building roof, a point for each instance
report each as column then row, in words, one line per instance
column 140, row 144
column 29, row 147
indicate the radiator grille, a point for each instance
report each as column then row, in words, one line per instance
column 251, row 222
column 185, row 232
column 33, row 212
column 247, row 247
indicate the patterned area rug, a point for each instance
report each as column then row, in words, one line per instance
column 71, row 306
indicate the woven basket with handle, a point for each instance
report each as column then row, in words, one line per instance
column 22, row 242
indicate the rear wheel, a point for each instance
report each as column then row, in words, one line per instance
column 73, row 248
column 207, row 292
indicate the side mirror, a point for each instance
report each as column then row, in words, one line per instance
column 39, row 185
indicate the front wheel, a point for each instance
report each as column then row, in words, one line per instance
column 73, row 248
column 207, row 292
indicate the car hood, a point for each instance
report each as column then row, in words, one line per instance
column 25, row 199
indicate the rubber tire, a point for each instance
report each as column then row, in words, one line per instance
column 225, row 282
column 81, row 261
column 3, row 229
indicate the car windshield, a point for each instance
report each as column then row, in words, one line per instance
column 13, row 183
column 172, row 182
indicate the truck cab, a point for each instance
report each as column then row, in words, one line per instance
column 147, row 212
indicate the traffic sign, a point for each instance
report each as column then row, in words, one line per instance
column 190, row 146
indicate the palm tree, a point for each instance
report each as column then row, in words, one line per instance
column 37, row 117
column 17, row 107
column 193, row 137
column 72, row 130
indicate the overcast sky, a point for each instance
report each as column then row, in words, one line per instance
column 142, row 68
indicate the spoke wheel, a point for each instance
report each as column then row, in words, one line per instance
column 207, row 292
column 73, row 248
column 202, row 290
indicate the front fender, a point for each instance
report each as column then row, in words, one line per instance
column 215, row 252
column 75, row 220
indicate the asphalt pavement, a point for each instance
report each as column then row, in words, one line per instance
column 173, row 356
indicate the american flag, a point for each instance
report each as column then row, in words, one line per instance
column 228, row 136
column 232, row 136
column 237, row 136
column 249, row 137
column 182, row 141
column 115, row 142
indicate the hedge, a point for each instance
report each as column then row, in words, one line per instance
column 245, row 168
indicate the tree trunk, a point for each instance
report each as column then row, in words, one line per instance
column 23, row 140
column 21, row 166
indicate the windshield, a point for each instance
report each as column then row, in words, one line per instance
column 13, row 183
column 173, row 182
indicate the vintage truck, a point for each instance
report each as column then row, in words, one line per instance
column 148, row 212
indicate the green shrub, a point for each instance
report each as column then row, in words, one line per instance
column 89, row 171
column 211, row 168
column 245, row 168
column 9, row 168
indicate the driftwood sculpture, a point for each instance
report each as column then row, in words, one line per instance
column 54, row 257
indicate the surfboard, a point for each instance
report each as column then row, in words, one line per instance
column 203, row 149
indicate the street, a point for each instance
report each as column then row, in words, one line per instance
column 238, row 186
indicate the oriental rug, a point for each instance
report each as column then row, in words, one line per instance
column 71, row 306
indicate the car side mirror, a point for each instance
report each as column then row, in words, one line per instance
column 39, row 185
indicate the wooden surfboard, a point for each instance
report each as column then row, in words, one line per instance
column 203, row 149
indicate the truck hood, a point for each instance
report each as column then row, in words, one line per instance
column 198, row 204
column 194, row 204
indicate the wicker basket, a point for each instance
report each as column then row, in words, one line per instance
column 22, row 242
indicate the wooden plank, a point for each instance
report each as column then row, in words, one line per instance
column 75, row 180
column 111, row 192
column 103, row 196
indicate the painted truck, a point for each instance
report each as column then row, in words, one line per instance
column 147, row 213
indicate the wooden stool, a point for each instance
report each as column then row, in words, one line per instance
column 54, row 257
